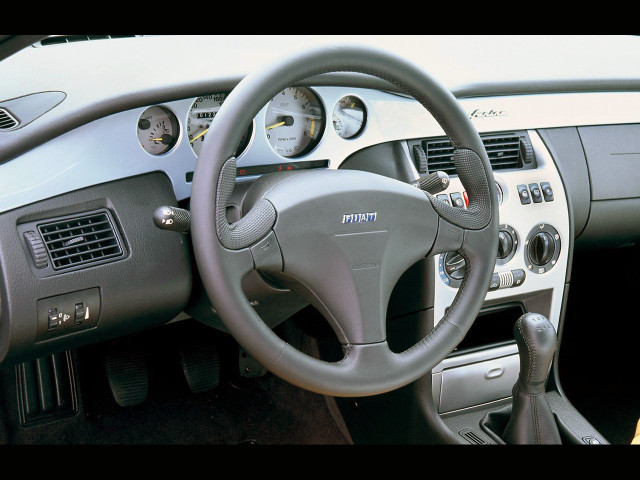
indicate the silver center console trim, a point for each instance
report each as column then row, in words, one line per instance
column 523, row 218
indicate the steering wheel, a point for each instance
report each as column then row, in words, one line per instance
column 346, row 236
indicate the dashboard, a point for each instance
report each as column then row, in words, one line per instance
column 80, row 157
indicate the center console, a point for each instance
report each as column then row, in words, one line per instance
column 529, row 276
column 473, row 388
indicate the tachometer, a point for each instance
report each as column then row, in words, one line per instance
column 201, row 114
column 294, row 121
column 158, row 130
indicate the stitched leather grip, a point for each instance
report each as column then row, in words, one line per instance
column 474, row 178
column 250, row 228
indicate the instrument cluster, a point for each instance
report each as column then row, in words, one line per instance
column 295, row 121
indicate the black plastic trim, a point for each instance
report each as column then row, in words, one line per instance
column 147, row 288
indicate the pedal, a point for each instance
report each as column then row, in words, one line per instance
column 128, row 377
column 200, row 363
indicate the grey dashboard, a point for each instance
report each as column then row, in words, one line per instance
column 84, row 150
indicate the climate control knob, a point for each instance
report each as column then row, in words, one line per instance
column 541, row 248
column 505, row 244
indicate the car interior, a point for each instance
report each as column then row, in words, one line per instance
column 319, row 240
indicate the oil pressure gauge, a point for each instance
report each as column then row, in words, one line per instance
column 349, row 116
column 158, row 130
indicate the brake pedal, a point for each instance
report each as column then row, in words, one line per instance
column 128, row 377
column 200, row 363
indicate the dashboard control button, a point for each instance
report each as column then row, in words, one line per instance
column 444, row 197
column 536, row 193
column 79, row 313
column 37, row 249
column 518, row 277
column 457, row 200
column 495, row 282
column 523, row 192
column 547, row 191
column 506, row 279
column 53, row 318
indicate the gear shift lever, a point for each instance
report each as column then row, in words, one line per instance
column 531, row 420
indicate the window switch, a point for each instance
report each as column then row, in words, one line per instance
column 547, row 192
column 523, row 193
column 536, row 193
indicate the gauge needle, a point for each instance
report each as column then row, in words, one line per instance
column 156, row 139
column 297, row 114
column 275, row 125
column 286, row 120
column 199, row 135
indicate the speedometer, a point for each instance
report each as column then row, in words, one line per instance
column 294, row 121
column 202, row 112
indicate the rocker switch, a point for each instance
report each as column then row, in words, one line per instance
column 52, row 315
column 80, row 313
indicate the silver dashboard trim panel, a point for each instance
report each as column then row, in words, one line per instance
column 87, row 156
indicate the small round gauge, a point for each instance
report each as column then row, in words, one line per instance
column 158, row 130
column 294, row 121
column 349, row 116
column 202, row 112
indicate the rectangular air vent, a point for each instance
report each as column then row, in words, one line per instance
column 509, row 150
column 7, row 120
column 81, row 240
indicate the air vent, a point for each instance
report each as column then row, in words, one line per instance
column 7, row 120
column 60, row 39
column 81, row 240
column 505, row 151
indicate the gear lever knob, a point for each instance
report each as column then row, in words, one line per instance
column 536, row 340
column 531, row 420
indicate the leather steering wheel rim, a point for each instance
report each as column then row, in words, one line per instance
column 226, row 252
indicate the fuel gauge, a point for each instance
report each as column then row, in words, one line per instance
column 158, row 130
column 349, row 116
